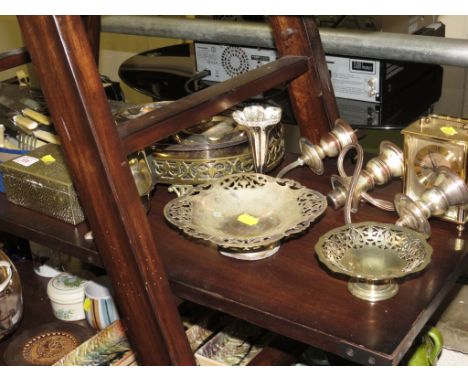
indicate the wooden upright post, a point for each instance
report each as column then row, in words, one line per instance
column 311, row 94
column 92, row 26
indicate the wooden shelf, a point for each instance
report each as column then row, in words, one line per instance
column 38, row 312
column 290, row 293
column 97, row 156
column 48, row 231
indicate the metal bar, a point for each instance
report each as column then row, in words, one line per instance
column 229, row 32
column 383, row 45
column 397, row 46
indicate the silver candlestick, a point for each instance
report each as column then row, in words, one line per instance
column 448, row 190
column 330, row 146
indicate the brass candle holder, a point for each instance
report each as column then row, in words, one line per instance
column 448, row 190
column 330, row 146
column 378, row 171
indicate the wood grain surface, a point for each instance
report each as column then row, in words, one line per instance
column 292, row 293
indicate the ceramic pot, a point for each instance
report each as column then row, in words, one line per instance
column 11, row 298
column 66, row 294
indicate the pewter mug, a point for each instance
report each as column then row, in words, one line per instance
column 11, row 298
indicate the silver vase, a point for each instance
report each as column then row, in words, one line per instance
column 258, row 121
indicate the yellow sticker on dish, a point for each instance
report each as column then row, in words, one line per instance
column 247, row 219
column 47, row 159
column 448, row 130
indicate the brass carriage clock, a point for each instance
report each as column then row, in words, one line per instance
column 431, row 142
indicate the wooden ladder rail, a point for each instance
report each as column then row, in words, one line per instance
column 187, row 111
column 97, row 161
column 312, row 96
column 14, row 58
column 62, row 56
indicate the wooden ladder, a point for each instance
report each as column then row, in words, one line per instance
column 96, row 151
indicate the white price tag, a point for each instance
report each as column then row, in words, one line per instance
column 26, row 160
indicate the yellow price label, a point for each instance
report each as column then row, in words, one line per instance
column 48, row 159
column 87, row 305
column 448, row 130
column 247, row 219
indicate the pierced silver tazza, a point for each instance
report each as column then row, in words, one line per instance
column 374, row 255
column 246, row 215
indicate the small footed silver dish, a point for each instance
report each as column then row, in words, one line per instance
column 373, row 255
column 246, row 215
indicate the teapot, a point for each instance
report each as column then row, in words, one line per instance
column 11, row 298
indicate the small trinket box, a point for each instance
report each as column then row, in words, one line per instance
column 40, row 181
column 5, row 155
column 66, row 293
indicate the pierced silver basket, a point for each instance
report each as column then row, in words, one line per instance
column 374, row 255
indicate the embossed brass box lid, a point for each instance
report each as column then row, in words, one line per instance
column 40, row 181
column 49, row 165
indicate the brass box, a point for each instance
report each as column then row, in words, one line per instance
column 431, row 142
column 40, row 181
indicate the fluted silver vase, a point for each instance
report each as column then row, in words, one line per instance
column 258, row 121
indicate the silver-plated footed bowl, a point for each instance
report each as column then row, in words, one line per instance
column 246, row 215
column 374, row 255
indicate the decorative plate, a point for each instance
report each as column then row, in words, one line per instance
column 246, row 211
column 45, row 344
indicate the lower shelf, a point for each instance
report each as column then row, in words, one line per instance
column 56, row 234
column 37, row 312
column 202, row 325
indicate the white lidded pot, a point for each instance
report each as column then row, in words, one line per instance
column 66, row 293
column 11, row 297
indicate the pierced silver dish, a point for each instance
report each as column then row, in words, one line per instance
column 246, row 215
column 374, row 255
